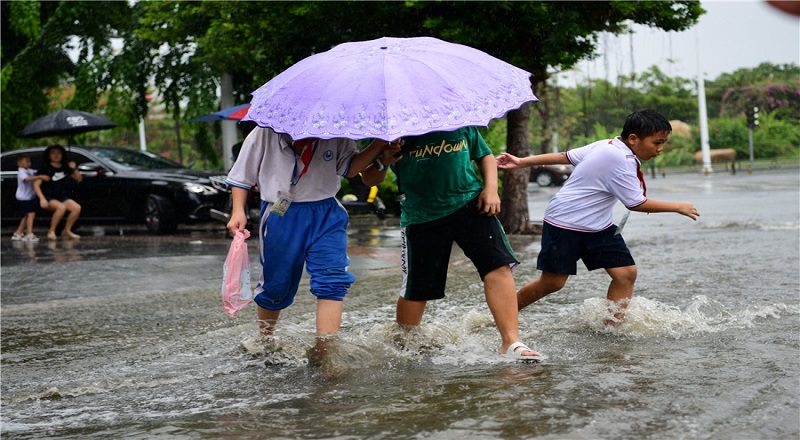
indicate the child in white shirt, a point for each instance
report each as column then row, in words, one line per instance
column 26, row 199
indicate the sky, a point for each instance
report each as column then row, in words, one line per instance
column 731, row 35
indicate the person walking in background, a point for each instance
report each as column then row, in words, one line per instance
column 53, row 190
column 578, row 221
column 302, row 223
column 26, row 199
column 446, row 203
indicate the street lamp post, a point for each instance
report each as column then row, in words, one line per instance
column 752, row 122
column 701, row 104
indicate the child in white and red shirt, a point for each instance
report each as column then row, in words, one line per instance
column 578, row 221
column 26, row 199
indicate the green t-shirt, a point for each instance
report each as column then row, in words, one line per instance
column 436, row 173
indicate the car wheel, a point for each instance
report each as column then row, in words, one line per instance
column 159, row 215
column 544, row 179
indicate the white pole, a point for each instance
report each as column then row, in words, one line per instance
column 701, row 103
column 228, row 127
column 142, row 138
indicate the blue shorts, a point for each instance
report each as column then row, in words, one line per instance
column 28, row 206
column 310, row 234
column 562, row 248
column 426, row 250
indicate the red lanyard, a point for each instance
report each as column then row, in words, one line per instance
column 307, row 148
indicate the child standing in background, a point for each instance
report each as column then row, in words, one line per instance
column 26, row 199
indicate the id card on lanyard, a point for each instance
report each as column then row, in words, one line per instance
column 307, row 148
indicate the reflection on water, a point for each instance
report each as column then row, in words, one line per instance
column 46, row 250
column 126, row 338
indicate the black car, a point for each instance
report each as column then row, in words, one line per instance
column 548, row 175
column 124, row 185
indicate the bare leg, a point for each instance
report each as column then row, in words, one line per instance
column 329, row 317
column 22, row 223
column 58, row 209
column 500, row 291
column 29, row 222
column 547, row 283
column 409, row 313
column 74, row 212
column 267, row 320
column 620, row 291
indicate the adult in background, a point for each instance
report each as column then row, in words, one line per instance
column 53, row 190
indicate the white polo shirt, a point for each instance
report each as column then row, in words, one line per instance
column 605, row 171
column 25, row 189
column 268, row 159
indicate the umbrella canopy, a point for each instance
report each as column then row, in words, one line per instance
column 66, row 123
column 389, row 88
column 235, row 113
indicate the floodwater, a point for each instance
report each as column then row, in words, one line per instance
column 125, row 337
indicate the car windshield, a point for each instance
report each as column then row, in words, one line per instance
column 128, row 159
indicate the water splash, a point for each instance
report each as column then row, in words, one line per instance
column 649, row 318
column 752, row 224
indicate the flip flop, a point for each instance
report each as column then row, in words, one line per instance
column 515, row 351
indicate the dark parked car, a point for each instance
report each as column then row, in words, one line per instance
column 124, row 185
column 548, row 175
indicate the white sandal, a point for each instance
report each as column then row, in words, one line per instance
column 515, row 351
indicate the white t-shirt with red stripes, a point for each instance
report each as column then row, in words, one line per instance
column 605, row 171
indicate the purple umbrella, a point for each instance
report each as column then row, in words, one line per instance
column 389, row 88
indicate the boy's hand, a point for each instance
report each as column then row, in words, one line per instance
column 507, row 161
column 43, row 203
column 237, row 222
column 390, row 151
column 687, row 209
column 489, row 203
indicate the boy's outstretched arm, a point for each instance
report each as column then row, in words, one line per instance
column 509, row 161
column 683, row 208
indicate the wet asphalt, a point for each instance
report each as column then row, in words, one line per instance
column 121, row 259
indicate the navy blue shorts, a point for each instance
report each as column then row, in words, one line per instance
column 562, row 248
column 61, row 199
column 26, row 206
column 426, row 250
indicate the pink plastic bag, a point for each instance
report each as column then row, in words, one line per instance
column 236, row 289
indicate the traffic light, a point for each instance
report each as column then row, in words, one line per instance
column 752, row 116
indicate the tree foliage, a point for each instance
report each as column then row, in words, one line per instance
column 37, row 38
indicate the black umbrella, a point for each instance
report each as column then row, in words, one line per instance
column 66, row 123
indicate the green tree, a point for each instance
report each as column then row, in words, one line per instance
column 674, row 97
column 37, row 38
column 261, row 39
column 544, row 38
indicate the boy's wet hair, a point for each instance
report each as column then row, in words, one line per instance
column 22, row 157
column 644, row 123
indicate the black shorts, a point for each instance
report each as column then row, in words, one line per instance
column 26, row 206
column 426, row 250
column 562, row 248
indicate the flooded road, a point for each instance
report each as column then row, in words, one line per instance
column 124, row 336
